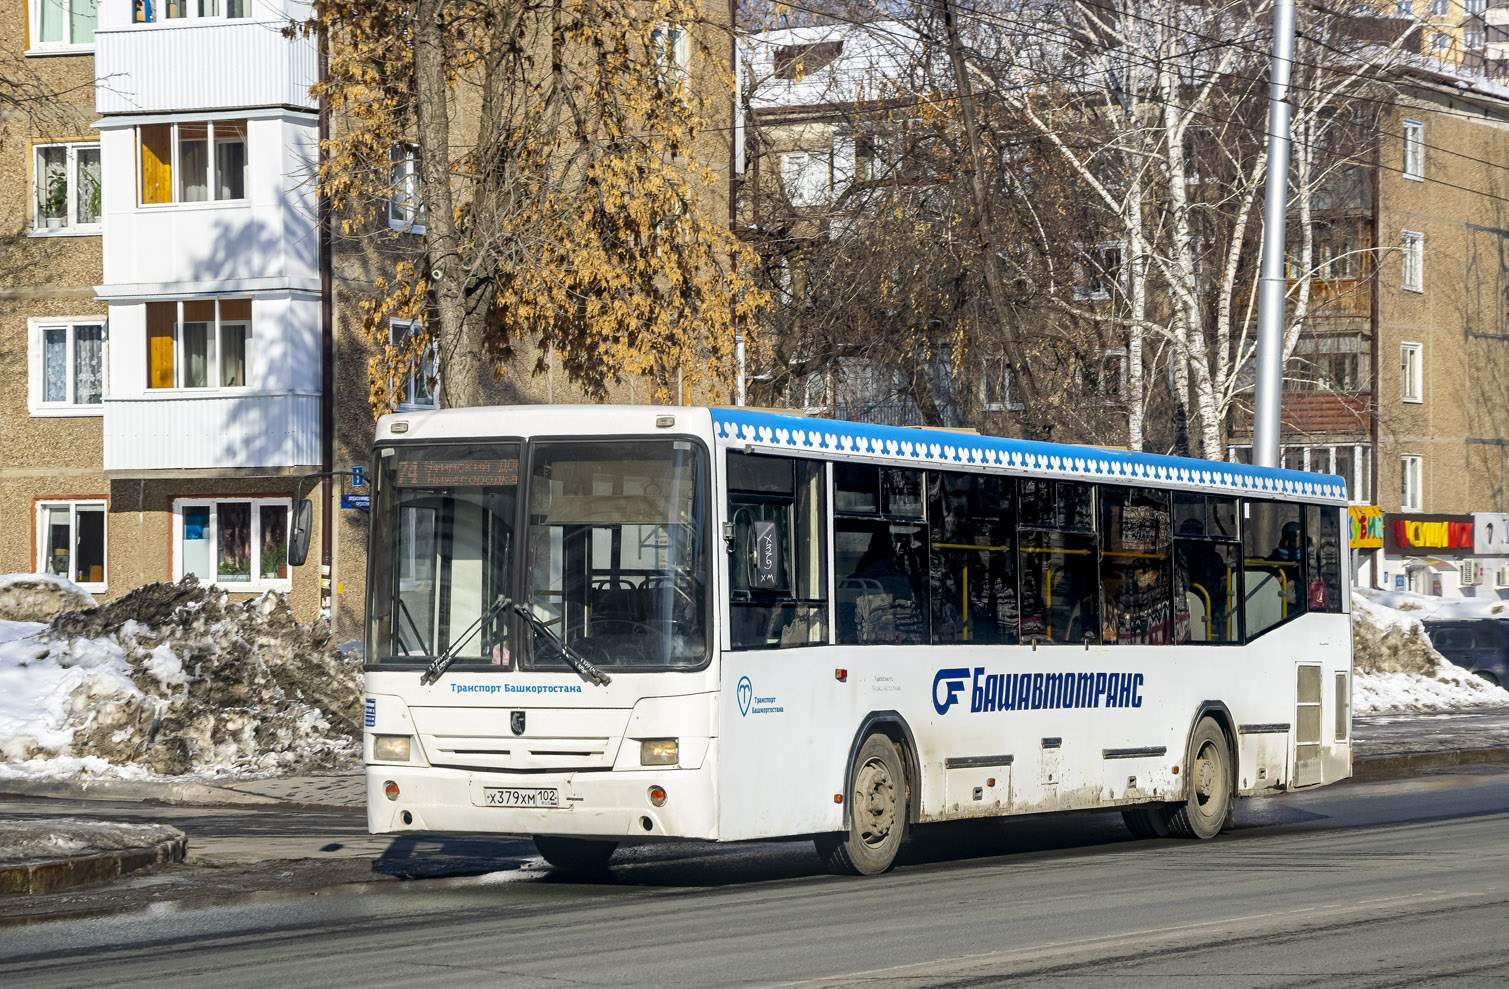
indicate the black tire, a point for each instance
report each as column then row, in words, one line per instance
column 878, row 802
column 575, row 854
column 1147, row 821
column 1209, row 790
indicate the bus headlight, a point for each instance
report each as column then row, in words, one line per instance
column 390, row 748
column 659, row 752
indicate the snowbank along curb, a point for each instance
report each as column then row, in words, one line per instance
column 51, row 875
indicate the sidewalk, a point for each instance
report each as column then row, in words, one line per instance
column 1393, row 744
column 46, row 854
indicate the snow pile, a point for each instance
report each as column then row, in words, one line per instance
column 1395, row 668
column 175, row 679
column 1442, row 608
column 37, row 597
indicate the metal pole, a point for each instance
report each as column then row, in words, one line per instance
column 1272, row 285
column 739, row 357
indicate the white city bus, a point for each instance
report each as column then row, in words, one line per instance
column 595, row 625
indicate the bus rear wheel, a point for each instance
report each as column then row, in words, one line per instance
column 575, row 854
column 1207, row 806
column 1206, row 810
column 877, row 813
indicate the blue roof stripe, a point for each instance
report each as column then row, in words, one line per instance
column 926, row 446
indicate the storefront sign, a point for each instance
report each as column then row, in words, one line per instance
column 1367, row 526
column 1428, row 535
column 1490, row 534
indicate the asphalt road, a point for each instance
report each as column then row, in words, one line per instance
column 1389, row 884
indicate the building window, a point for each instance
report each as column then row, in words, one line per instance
column 998, row 387
column 795, row 62
column 1406, row 8
column 1409, row 483
column 1472, row 38
column 1414, row 150
column 192, row 162
column 71, row 541
column 806, row 178
column 240, row 543
column 67, row 366
column 1438, row 39
column 405, row 196
column 672, row 45
column 420, row 387
column 60, row 24
column 1474, row 6
column 1438, row 8
column 1411, row 372
column 160, row 11
column 1100, row 272
column 1331, row 363
column 66, row 186
column 1412, row 253
column 198, row 343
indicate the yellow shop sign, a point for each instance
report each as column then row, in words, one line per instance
column 1367, row 526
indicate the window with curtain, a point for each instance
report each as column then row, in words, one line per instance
column 63, row 23
column 238, row 543
column 69, row 366
column 198, row 343
column 193, row 162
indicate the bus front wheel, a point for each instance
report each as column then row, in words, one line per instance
column 575, row 854
column 877, row 813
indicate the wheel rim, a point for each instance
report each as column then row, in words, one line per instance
column 1209, row 780
column 874, row 803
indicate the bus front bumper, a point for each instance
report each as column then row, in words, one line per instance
column 609, row 804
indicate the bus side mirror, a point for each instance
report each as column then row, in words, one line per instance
column 298, row 539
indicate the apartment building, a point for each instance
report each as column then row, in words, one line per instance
column 54, row 498
column 164, row 303
column 1412, row 357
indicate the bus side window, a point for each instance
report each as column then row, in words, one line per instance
column 1207, row 569
column 1134, row 565
column 880, row 555
column 1056, row 546
column 1323, row 555
column 1272, row 564
column 778, row 585
column 972, row 558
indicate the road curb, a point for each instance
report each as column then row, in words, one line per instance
column 51, row 875
column 184, row 793
column 1381, row 767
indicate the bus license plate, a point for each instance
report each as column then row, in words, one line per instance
column 508, row 796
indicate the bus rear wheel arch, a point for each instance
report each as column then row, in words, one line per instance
column 1209, row 790
column 879, row 811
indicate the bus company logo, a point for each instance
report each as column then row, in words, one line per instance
column 952, row 681
column 1035, row 691
column 745, row 693
column 749, row 703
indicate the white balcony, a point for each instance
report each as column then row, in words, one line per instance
column 208, row 432
column 203, row 64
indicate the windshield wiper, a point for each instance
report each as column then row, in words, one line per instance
column 574, row 659
column 443, row 662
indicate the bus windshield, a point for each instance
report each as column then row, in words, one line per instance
column 617, row 561
column 442, row 552
column 612, row 561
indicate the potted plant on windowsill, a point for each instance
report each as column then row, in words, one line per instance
column 55, row 204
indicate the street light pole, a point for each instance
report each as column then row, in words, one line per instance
column 1272, row 284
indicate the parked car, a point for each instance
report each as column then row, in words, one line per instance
column 1477, row 644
